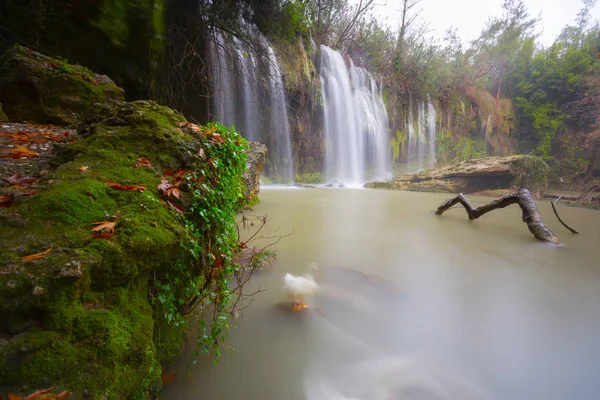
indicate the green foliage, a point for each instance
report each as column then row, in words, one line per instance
column 200, row 278
column 315, row 177
column 530, row 172
column 545, row 84
column 397, row 143
column 570, row 162
column 452, row 149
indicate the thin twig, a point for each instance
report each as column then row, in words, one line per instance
column 559, row 218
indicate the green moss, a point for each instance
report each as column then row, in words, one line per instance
column 3, row 116
column 34, row 87
column 315, row 177
column 75, row 202
column 44, row 357
column 81, row 318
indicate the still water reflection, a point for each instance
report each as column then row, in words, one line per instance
column 414, row 306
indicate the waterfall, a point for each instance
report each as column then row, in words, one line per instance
column 486, row 130
column 422, row 143
column 356, row 122
column 279, row 118
column 247, row 61
column 421, row 138
column 222, row 82
column 248, row 93
column 431, row 134
column 412, row 139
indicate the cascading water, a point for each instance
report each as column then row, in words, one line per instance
column 422, row 143
column 422, row 138
column 412, row 139
column 279, row 117
column 247, row 61
column 222, row 82
column 431, row 134
column 356, row 122
column 249, row 94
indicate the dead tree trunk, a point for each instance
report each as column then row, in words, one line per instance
column 531, row 215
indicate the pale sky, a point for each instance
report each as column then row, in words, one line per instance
column 470, row 16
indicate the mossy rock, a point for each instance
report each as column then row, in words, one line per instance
column 35, row 87
column 475, row 175
column 81, row 318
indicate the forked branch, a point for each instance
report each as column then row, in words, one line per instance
column 531, row 215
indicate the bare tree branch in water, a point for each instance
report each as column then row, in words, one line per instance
column 559, row 218
column 523, row 198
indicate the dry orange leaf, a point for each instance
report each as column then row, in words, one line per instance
column 84, row 168
column 37, row 256
column 20, row 152
column 126, row 187
column 155, row 224
column 173, row 191
column 42, row 395
column 100, row 226
column 143, row 162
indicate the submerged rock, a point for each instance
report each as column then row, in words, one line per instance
column 35, row 87
column 475, row 175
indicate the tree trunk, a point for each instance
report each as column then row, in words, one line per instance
column 531, row 215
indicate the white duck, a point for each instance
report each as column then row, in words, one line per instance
column 298, row 287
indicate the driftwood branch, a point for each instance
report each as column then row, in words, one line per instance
column 531, row 215
column 559, row 218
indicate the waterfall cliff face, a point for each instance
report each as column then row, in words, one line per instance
column 356, row 122
column 422, row 141
column 248, row 92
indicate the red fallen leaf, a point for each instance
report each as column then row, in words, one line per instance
column 20, row 180
column 30, row 193
column 143, row 162
column 176, row 207
column 209, row 130
column 73, row 140
column 36, row 256
column 42, row 395
column 118, row 186
column 102, row 235
column 5, row 200
column 66, row 134
column 64, row 395
column 20, row 152
column 179, row 174
column 219, row 260
column 243, row 245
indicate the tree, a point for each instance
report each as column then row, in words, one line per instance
column 502, row 39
